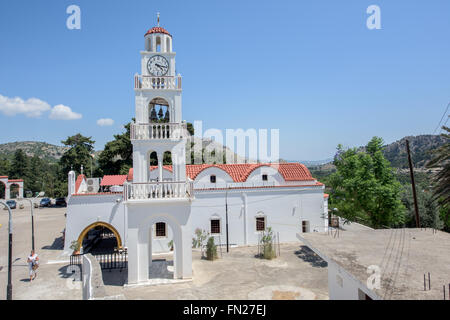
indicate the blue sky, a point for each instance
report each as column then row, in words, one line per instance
column 309, row 68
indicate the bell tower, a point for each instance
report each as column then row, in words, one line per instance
column 158, row 128
column 157, row 196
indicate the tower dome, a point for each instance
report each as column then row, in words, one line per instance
column 158, row 39
column 157, row 30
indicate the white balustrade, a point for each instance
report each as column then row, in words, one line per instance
column 153, row 131
column 157, row 83
column 158, row 190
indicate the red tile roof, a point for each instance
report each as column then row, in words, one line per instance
column 326, row 195
column 239, row 172
column 157, row 30
column 80, row 178
column 114, row 180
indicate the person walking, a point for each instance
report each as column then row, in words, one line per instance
column 33, row 264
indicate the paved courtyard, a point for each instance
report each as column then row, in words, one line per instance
column 52, row 281
column 296, row 274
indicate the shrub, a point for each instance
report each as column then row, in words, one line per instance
column 267, row 243
column 211, row 249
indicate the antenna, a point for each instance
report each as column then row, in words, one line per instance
column 158, row 17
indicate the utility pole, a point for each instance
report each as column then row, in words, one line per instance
column 9, row 285
column 226, row 217
column 411, row 171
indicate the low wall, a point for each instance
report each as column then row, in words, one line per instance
column 93, row 287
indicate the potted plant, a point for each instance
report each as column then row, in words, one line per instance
column 75, row 246
column 170, row 245
column 267, row 242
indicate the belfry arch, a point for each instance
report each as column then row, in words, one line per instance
column 159, row 111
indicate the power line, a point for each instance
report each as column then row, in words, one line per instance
column 442, row 118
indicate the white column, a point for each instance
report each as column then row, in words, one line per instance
column 244, row 204
column 7, row 191
column 160, row 166
column 133, row 256
column 183, row 269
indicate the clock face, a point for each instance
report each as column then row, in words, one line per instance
column 158, row 66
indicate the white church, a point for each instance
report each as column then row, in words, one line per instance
column 155, row 205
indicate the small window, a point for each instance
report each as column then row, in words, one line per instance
column 264, row 177
column 160, row 229
column 305, row 226
column 212, row 178
column 260, row 223
column 215, row 226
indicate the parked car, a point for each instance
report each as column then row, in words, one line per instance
column 61, row 202
column 45, row 202
column 12, row 204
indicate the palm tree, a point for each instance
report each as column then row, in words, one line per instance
column 441, row 179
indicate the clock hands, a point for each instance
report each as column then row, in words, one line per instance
column 160, row 66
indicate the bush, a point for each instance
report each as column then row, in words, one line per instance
column 267, row 244
column 211, row 249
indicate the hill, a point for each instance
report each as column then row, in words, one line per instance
column 421, row 148
column 43, row 150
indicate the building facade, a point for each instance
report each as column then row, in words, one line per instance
column 156, row 208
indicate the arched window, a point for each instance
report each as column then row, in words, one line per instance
column 260, row 220
column 212, row 178
column 158, row 44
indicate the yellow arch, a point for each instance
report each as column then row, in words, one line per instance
column 100, row 224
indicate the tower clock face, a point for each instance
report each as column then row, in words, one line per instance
column 158, row 66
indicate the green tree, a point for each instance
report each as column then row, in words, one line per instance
column 364, row 187
column 79, row 154
column 117, row 158
column 20, row 166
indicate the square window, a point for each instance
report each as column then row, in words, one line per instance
column 160, row 229
column 264, row 177
column 212, row 178
column 260, row 223
column 215, row 226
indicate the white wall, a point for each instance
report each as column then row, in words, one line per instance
column 284, row 211
column 83, row 210
column 343, row 286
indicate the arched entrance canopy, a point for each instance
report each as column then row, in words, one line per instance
column 100, row 224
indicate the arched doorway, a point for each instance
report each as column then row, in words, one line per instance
column 99, row 238
column 14, row 191
column 161, row 251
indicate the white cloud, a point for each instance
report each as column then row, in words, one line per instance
column 31, row 108
column 62, row 112
column 105, row 122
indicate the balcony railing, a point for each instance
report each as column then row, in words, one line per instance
column 153, row 131
column 157, row 83
column 158, row 190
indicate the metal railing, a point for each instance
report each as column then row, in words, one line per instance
column 157, row 83
column 107, row 261
column 153, row 131
column 158, row 190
